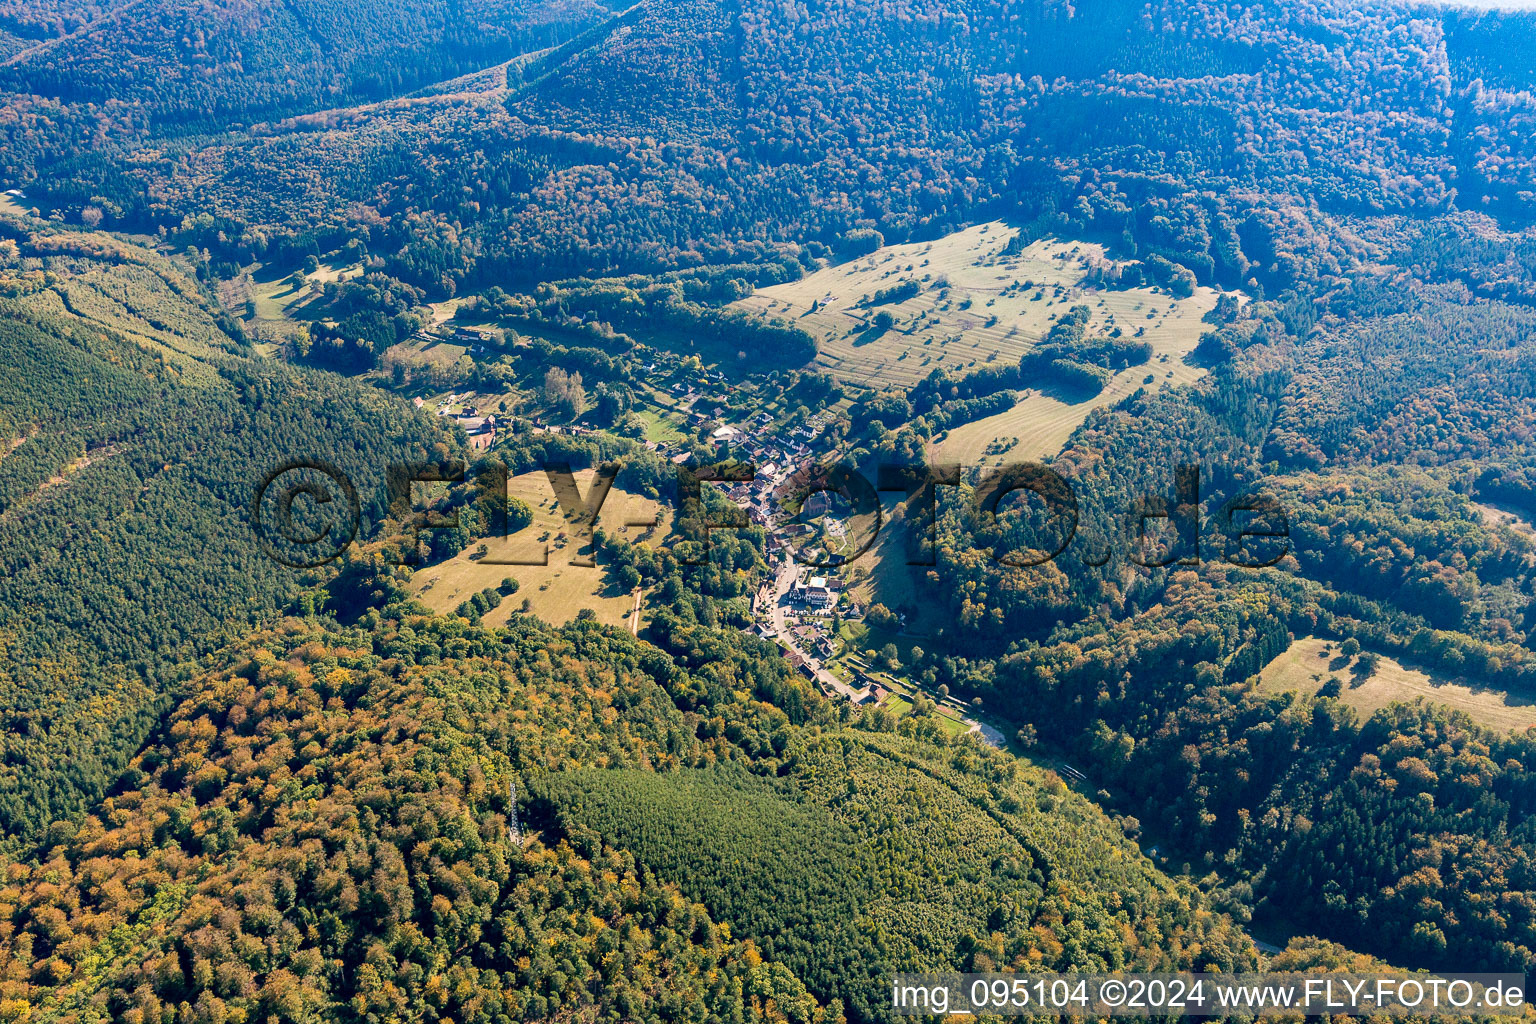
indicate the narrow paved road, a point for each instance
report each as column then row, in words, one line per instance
column 781, row 587
column 779, row 625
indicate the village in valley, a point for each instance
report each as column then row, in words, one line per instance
column 845, row 616
column 807, row 607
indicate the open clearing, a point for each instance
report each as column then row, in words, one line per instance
column 973, row 310
column 274, row 299
column 882, row 575
column 1495, row 516
column 1040, row 424
column 13, row 205
column 1393, row 681
column 953, row 331
column 418, row 352
column 557, row 591
column 947, row 327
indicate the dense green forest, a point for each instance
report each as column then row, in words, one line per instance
column 671, row 132
column 323, row 829
column 863, row 854
column 324, row 826
column 134, row 436
column 202, row 67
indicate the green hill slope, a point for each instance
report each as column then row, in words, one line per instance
column 677, row 128
column 134, row 436
column 324, row 828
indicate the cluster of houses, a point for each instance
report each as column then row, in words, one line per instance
column 765, row 451
column 688, row 391
column 747, row 439
column 821, row 642
column 772, row 459
column 481, row 429
column 674, row 452
column 810, row 638
column 756, row 495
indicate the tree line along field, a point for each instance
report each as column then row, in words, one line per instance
column 972, row 309
column 556, row 592
column 1040, row 424
column 1307, row 664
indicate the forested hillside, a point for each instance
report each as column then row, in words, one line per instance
column 133, row 438
column 325, row 827
column 26, row 23
column 1219, row 139
column 204, row 64
column 1375, row 431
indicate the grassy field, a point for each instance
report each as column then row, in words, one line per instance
column 951, row 725
column 1040, row 424
column 418, row 355
column 444, row 311
column 881, row 573
column 659, row 426
column 966, row 284
column 1393, row 681
column 900, row 705
column 556, row 591
column 664, row 419
column 972, row 311
column 8, row 204
column 276, row 300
